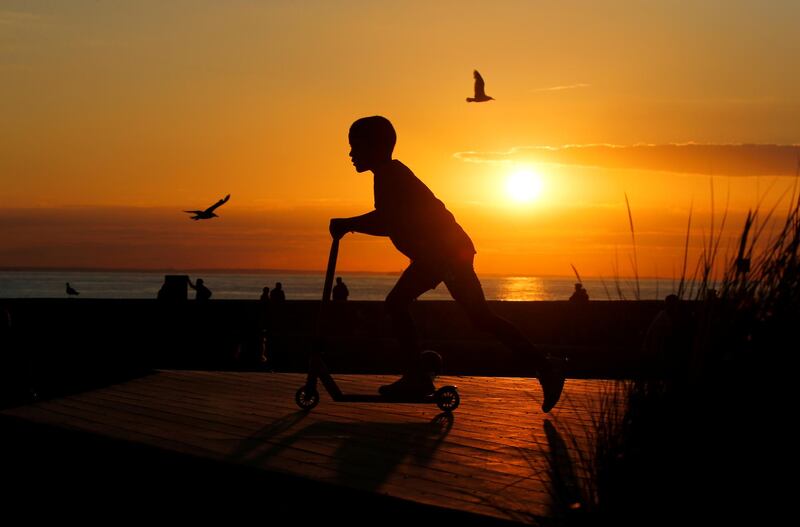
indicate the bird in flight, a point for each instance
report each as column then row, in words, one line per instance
column 209, row 212
column 480, row 94
column 71, row 291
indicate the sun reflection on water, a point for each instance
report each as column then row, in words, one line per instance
column 521, row 288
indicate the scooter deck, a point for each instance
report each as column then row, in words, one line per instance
column 377, row 398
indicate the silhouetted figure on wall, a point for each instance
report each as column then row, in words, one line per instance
column 71, row 291
column 421, row 228
column 277, row 295
column 580, row 294
column 202, row 293
column 174, row 287
column 340, row 291
column 265, row 294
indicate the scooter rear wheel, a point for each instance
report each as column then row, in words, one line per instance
column 447, row 398
column 306, row 399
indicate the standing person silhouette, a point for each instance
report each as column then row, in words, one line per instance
column 340, row 291
column 421, row 228
column 277, row 294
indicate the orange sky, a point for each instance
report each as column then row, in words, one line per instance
column 115, row 118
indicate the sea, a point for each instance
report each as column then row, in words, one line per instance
column 308, row 286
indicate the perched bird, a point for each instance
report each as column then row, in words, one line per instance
column 209, row 212
column 480, row 94
column 71, row 291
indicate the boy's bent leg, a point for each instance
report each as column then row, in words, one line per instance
column 466, row 289
column 414, row 281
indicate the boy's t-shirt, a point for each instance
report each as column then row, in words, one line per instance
column 417, row 222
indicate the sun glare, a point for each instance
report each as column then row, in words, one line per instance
column 523, row 186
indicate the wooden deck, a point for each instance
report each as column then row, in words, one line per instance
column 497, row 456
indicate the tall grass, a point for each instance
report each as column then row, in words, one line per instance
column 702, row 437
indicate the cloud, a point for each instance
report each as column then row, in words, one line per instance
column 686, row 158
column 565, row 87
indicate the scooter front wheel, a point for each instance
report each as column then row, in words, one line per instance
column 447, row 398
column 305, row 398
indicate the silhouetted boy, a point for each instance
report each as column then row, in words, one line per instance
column 340, row 291
column 265, row 294
column 420, row 227
column 202, row 292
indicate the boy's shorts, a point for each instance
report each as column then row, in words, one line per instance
column 423, row 275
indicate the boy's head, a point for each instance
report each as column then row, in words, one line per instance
column 372, row 141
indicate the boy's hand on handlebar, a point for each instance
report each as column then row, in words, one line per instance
column 339, row 227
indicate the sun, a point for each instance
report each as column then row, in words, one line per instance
column 524, row 185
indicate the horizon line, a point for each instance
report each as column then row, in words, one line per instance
column 233, row 270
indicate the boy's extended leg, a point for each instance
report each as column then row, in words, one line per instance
column 464, row 286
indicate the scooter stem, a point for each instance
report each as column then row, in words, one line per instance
column 326, row 291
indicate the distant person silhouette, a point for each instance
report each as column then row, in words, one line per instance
column 174, row 288
column 265, row 294
column 340, row 291
column 71, row 291
column 202, row 292
column 277, row 294
column 421, row 228
column 580, row 294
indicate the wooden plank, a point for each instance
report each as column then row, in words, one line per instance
column 221, row 431
column 350, row 407
column 492, row 460
column 354, row 410
column 492, row 407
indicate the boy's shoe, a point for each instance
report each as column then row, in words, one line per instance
column 409, row 386
column 551, row 377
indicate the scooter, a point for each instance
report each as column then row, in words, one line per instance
column 307, row 396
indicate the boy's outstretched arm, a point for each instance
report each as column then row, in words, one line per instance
column 370, row 223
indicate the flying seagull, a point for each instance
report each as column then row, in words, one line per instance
column 70, row 291
column 480, row 95
column 209, row 212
